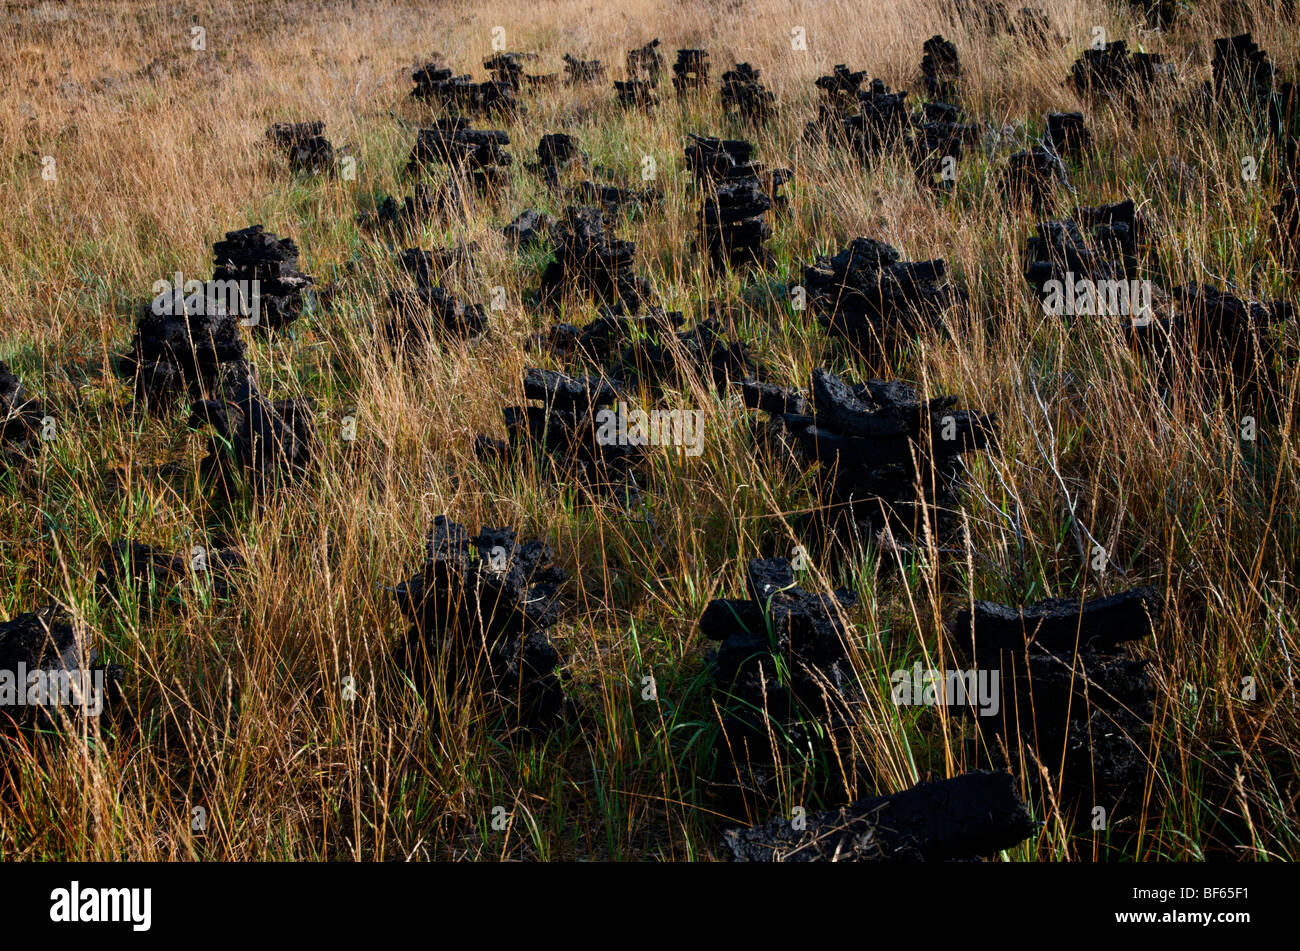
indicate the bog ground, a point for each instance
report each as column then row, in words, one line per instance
column 834, row 431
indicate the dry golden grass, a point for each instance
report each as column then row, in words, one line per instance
column 159, row 150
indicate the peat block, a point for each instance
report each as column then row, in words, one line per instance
column 967, row 817
column 480, row 609
column 1112, row 71
column 414, row 210
column 691, row 71
column 743, row 92
column 476, row 154
column 562, row 425
column 272, row 442
column 304, row 145
column 645, row 62
column 733, row 226
column 1032, row 176
column 461, row 94
column 1101, row 243
column 636, row 93
column 1067, row 689
column 582, row 72
column 1068, row 135
column 557, row 154
column 871, row 440
column 783, row 660
column 867, row 294
column 268, row 263
column 529, row 228
column 21, row 420
column 148, row 567
column 48, row 641
column 613, row 200
column 940, row 68
column 181, row 347
column 589, row 260
column 429, row 312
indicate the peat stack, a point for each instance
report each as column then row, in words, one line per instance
column 304, row 145
column 1225, row 336
column 480, row 609
column 743, row 92
column 21, row 420
column 940, row 68
column 880, row 123
column 1068, row 135
column 871, row 441
column 603, row 339
column 782, row 674
column 271, row 442
column 529, row 228
column 154, row 570
column 1098, row 245
column 428, row 312
column 870, row 296
column 1070, row 698
column 50, row 669
column 413, row 211
column 713, row 161
column 557, row 155
column 615, row 201
column 568, row 427
column 268, row 266
column 476, row 155
column 733, row 227
column 691, row 71
column 646, row 63
column 636, row 94
column 967, row 817
column 182, row 343
column 706, row 350
column 936, row 137
column 590, row 261
column 582, row 72
column 839, row 98
column 461, row 94
column 1112, row 72
column 508, row 68
column 1243, row 75
column 1032, row 176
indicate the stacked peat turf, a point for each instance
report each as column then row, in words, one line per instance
column 590, row 261
column 49, row 670
column 691, row 71
column 1098, row 245
column 414, row 210
column 743, row 92
column 570, row 429
column 706, row 350
column 733, row 227
column 783, row 669
column 478, row 155
column 582, row 72
column 304, row 145
column 1032, row 176
column 615, row 201
column 880, row 123
column 645, row 62
column 839, row 98
column 713, row 161
column 154, row 570
column 557, row 155
column 428, row 312
column 868, row 295
column 480, row 609
column 22, row 420
column 1068, row 135
column 603, row 339
column 181, row 345
column 1070, row 700
column 940, row 68
column 460, row 94
column 872, row 440
column 636, row 94
column 967, row 817
column 1111, row 71
column 271, row 442
column 268, row 266
column 529, row 228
